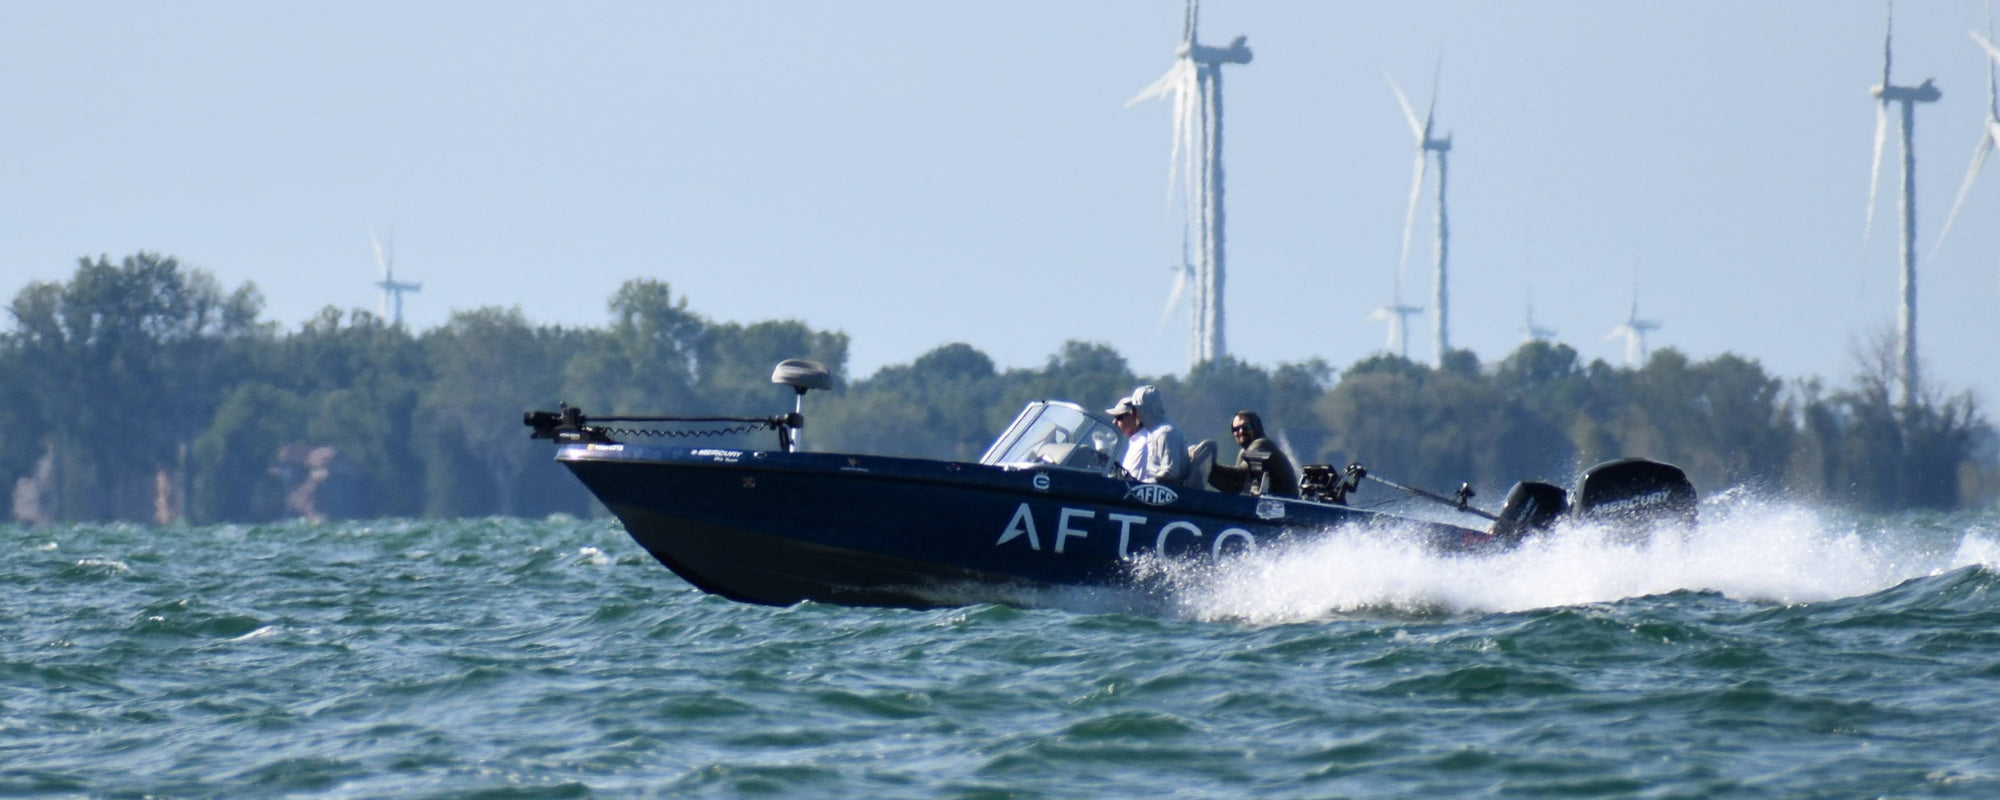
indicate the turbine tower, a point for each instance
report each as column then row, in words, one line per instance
column 392, row 289
column 1194, row 85
column 1428, row 144
column 1988, row 136
column 1634, row 330
column 1908, row 97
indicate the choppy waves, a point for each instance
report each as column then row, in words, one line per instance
column 1773, row 652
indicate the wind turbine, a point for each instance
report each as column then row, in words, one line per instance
column 1194, row 86
column 1427, row 144
column 1908, row 97
column 392, row 289
column 1634, row 330
column 1989, row 136
column 1534, row 332
column 1992, row 120
column 1397, row 315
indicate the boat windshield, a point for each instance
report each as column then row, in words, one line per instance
column 1058, row 434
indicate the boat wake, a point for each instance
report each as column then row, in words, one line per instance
column 1743, row 550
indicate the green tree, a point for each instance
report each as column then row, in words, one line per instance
column 736, row 361
column 1204, row 403
column 1437, row 429
column 236, row 474
column 1090, row 373
column 940, row 405
column 132, row 359
column 645, row 364
column 488, row 365
column 362, row 378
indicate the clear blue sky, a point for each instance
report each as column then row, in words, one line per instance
column 917, row 173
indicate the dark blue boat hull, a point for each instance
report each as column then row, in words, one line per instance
column 778, row 528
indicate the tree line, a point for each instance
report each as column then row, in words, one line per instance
column 144, row 391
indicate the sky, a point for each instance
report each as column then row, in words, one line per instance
column 919, row 173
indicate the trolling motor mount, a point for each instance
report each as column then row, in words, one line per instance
column 567, row 425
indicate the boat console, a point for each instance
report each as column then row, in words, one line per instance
column 1058, row 434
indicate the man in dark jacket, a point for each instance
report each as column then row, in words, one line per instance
column 1280, row 478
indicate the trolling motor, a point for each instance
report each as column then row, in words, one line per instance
column 802, row 375
column 569, row 425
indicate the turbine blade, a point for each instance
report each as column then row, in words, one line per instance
column 1178, row 87
column 1174, row 295
column 381, row 257
column 1888, row 33
column 1190, row 21
column 1167, row 84
column 1410, row 216
column 1993, row 56
column 1987, row 44
column 1416, row 128
column 1979, row 154
column 1875, row 169
column 1430, row 112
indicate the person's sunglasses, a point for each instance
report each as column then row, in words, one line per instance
column 1238, row 428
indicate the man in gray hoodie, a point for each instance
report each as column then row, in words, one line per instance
column 1155, row 450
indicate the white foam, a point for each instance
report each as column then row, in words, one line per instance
column 592, row 556
column 1751, row 552
column 1976, row 549
column 265, row 632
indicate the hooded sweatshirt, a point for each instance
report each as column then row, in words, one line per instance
column 1157, row 452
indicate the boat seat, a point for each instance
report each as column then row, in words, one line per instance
column 1201, row 459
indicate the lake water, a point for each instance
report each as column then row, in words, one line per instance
column 1777, row 652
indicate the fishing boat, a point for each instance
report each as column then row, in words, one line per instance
column 1047, row 507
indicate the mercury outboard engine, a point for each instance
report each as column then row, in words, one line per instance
column 1634, row 491
column 1530, row 506
column 1629, row 492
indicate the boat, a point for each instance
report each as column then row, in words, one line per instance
column 1045, row 508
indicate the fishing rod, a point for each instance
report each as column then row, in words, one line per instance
column 1355, row 473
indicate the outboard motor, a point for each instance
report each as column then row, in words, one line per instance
column 1530, row 506
column 1634, row 491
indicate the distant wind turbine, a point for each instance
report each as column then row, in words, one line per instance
column 1908, row 97
column 1397, row 315
column 1428, row 144
column 1988, row 136
column 392, row 289
column 1194, row 86
column 1534, row 332
column 1634, row 330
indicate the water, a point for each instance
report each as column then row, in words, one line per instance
column 1775, row 653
